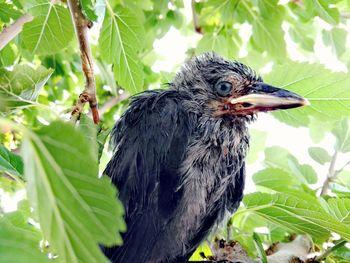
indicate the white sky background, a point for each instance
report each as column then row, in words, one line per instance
column 171, row 51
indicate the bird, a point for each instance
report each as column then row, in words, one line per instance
column 179, row 156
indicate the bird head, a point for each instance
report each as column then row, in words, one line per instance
column 231, row 88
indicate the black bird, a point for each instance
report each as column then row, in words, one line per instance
column 179, row 156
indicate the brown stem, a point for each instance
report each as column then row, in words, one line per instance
column 82, row 25
column 196, row 25
column 331, row 174
column 13, row 30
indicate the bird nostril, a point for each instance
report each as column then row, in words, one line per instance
column 246, row 104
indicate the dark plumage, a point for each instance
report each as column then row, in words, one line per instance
column 179, row 156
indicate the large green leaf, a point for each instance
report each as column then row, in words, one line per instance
column 10, row 163
column 267, row 28
column 50, row 31
column 296, row 214
column 21, row 86
column 19, row 242
column 275, row 179
column 323, row 9
column 328, row 92
column 340, row 208
column 279, row 157
column 120, row 39
column 76, row 210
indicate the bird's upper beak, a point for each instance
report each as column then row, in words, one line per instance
column 263, row 97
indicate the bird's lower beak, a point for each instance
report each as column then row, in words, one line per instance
column 267, row 98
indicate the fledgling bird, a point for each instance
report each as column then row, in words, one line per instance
column 179, row 157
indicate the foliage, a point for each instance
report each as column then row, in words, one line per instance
column 59, row 164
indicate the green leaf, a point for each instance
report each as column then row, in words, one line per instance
column 10, row 163
column 270, row 8
column 279, row 157
column 22, row 85
column 322, row 9
column 258, row 139
column 7, row 12
column 101, row 141
column 319, row 154
column 327, row 92
column 222, row 9
column 275, row 179
column 77, row 211
column 88, row 9
column 336, row 39
column 213, row 42
column 120, row 39
column 341, row 132
column 318, row 129
column 50, row 31
column 19, row 242
column 259, row 248
column 227, row 43
column 292, row 212
column 303, row 34
column 8, row 55
column 106, row 74
column 89, row 129
column 340, row 209
column 268, row 36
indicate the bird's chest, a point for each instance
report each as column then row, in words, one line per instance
column 210, row 164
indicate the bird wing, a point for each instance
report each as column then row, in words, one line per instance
column 151, row 139
column 234, row 192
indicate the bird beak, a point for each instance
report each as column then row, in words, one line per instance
column 264, row 97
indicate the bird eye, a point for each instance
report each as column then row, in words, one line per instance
column 223, row 88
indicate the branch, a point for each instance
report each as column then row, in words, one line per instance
column 13, row 30
column 331, row 174
column 196, row 25
column 82, row 25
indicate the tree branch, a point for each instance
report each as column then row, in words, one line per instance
column 13, row 30
column 196, row 25
column 82, row 25
column 330, row 175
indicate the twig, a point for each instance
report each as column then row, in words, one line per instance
column 82, row 25
column 13, row 30
column 330, row 175
column 196, row 25
column 342, row 168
